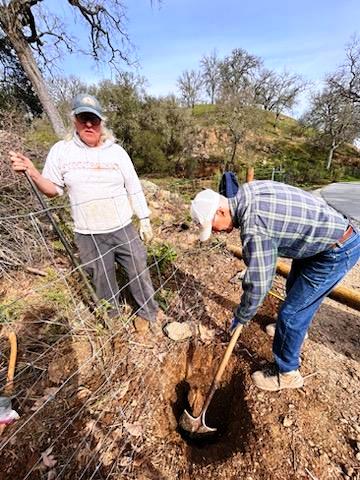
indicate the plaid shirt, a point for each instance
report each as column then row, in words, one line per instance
column 278, row 220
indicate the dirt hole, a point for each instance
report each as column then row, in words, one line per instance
column 227, row 412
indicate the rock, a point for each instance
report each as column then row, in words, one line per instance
column 178, row 331
column 349, row 471
column 149, row 187
column 83, row 393
column 287, row 422
column 357, row 456
column 206, row 334
column 135, row 429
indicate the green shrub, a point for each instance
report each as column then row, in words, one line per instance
column 11, row 310
column 40, row 136
column 55, row 292
column 162, row 254
column 164, row 297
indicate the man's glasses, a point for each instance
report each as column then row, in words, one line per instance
column 86, row 117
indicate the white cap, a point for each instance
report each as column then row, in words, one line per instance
column 203, row 209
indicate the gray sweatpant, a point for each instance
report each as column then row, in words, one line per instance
column 99, row 252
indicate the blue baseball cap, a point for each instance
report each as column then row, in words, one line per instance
column 83, row 102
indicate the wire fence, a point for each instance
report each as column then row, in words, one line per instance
column 86, row 387
column 81, row 371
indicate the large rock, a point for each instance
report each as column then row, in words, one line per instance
column 178, row 331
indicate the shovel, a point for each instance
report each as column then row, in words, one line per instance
column 198, row 425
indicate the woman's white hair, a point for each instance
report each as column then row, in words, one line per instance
column 106, row 133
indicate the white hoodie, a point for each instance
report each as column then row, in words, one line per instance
column 102, row 184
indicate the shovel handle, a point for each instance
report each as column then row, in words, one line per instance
column 222, row 366
column 228, row 352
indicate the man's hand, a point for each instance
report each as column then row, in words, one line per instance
column 146, row 233
column 233, row 326
column 20, row 163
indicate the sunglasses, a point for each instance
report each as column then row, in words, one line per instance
column 85, row 118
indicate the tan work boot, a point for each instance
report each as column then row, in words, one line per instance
column 274, row 381
column 270, row 330
column 141, row 325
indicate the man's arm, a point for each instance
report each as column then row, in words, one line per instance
column 260, row 255
column 21, row 163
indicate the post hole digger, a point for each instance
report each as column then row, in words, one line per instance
column 197, row 425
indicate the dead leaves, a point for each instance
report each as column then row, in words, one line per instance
column 48, row 459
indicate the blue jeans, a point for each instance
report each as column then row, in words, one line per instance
column 309, row 282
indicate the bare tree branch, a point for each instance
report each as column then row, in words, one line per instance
column 346, row 80
column 35, row 34
column 190, row 84
column 336, row 118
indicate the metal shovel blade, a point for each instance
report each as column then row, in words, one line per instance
column 195, row 425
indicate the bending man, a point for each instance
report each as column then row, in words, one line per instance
column 274, row 220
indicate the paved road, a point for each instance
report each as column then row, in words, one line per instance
column 345, row 197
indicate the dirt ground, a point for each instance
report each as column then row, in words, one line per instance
column 105, row 403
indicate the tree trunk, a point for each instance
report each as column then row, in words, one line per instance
column 277, row 116
column 233, row 152
column 32, row 71
column 330, row 156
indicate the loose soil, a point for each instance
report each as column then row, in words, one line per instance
column 101, row 403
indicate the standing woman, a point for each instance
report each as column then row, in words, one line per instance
column 104, row 192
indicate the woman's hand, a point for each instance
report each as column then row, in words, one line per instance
column 20, row 163
column 146, row 233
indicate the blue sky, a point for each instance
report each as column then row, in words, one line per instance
column 306, row 37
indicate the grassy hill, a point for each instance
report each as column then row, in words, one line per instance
column 282, row 150
column 286, row 146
